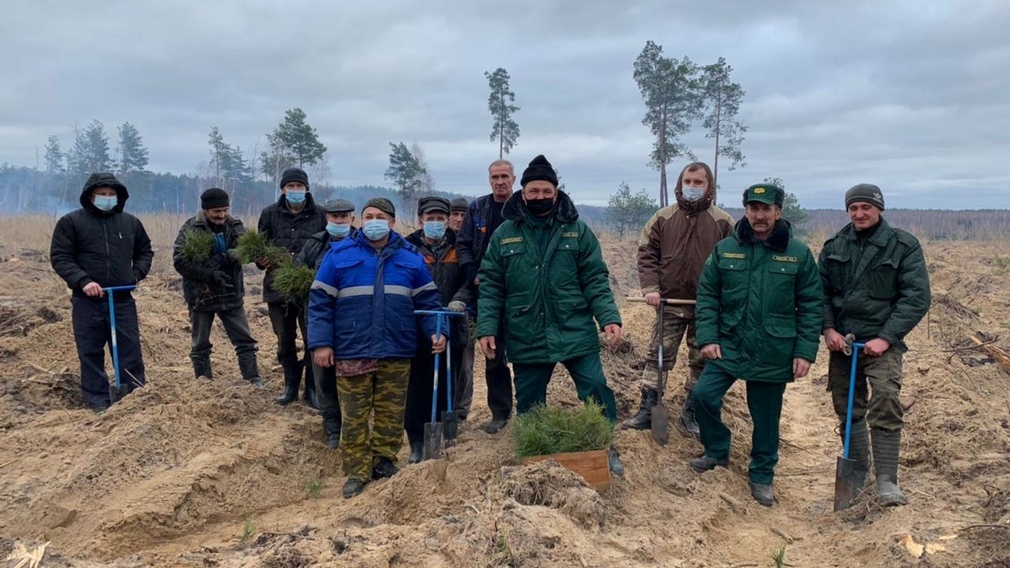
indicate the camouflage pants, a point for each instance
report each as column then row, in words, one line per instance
column 881, row 376
column 383, row 393
column 675, row 328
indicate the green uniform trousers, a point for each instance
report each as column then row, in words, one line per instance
column 765, row 403
column 587, row 371
column 383, row 393
column 878, row 384
column 675, row 329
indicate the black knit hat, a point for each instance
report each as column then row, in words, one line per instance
column 295, row 174
column 865, row 192
column 539, row 169
column 213, row 198
column 460, row 204
column 382, row 204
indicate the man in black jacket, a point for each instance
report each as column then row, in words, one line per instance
column 289, row 224
column 94, row 247
column 482, row 218
column 214, row 285
column 459, row 207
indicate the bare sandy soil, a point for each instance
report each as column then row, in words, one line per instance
column 208, row 474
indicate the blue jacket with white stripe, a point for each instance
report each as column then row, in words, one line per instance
column 362, row 302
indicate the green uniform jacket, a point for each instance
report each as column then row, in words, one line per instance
column 761, row 301
column 874, row 287
column 547, row 280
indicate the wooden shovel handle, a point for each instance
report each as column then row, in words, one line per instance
column 667, row 301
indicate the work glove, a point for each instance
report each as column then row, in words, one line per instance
column 221, row 279
column 457, row 306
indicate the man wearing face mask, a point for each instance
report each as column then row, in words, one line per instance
column 290, row 223
column 544, row 275
column 339, row 217
column 671, row 253
column 460, row 205
column 437, row 244
column 94, row 247
column 215, row 286
column 362, row 323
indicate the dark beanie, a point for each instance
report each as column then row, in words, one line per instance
column 382, row 204
column 539, row 169
column 294, row 174
column 865, row 192
column 213, row 198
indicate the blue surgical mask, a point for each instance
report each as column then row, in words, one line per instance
column 434, row 229
column 338, row 230
column 106, row 202
column 693, row 193
column 375, row 229
column 295, row 197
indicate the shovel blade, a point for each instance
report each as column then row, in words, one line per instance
column 660, row 424
column 450, row 427
column 432, row 441
column 848, row 483
column 116, row 393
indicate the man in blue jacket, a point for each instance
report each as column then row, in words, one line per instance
column 361, row 321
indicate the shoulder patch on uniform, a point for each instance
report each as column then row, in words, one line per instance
column 738, row 255
column 784, row 258
column 570, row 234
column 511, row 240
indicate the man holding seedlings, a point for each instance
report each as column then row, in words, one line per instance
column 362, row 323
column 876, row 287
column 212, row 283
column 759, row 319
column 460, row 205
column 543, row 280
column 437, row 244
column 482, row 218
column 339, row 216
column 289, row 224
column 94, row 247
column 671, row 254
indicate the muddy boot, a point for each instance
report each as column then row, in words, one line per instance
column 292, row 377
column 705, row 463
column 859, row 451
column 202, row 370
column 416, row 452
column 353, row 486
column 331, row 430
column 250, row 369
column 643, row 420
column 383, row 468
column 762, row 494
column 687, row 417
column 886, row 446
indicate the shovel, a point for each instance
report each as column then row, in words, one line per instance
column 660, row 417
column 449, row 424
column 117, row 390
column 433, row 430
column 848, row 478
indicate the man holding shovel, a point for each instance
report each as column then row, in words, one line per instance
column 671, row 254
column 876, row 288
column 544, row 279
column 94, row 247
column 362, row 322
column 759, row 319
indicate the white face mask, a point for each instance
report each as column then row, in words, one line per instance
column 692, row 193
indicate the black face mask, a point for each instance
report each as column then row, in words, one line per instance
column 540, row 207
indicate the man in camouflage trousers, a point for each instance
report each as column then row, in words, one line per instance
column 361, row 321
column 876, row 288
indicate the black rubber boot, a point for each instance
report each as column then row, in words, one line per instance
column 687, row 417
column 383, row 467
column 331, row 430
column 292, row 376
column 886, row 447
column 643, row 420
column 859, row 450
column 250, row 369
column 310, row 392
column 202, row 370
column 416, row 452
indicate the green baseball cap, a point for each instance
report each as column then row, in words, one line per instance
column 764, row 193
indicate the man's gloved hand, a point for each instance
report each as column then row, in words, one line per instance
column 221, row 279
column 457, row 306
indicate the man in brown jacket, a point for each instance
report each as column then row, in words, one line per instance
column 671, row 254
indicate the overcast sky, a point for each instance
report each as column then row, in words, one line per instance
column 911, row 95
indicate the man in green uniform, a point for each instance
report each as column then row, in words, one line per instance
column 544, row 275
column 759, row 319
column 876, row 287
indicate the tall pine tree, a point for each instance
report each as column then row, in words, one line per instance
column 504, row 129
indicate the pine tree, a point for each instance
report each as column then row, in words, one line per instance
column 132, row 153
column 722, row 99
column 505, row 129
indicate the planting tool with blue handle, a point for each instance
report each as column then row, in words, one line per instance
column 449, row 426
column 117, row 390
column 848, row 476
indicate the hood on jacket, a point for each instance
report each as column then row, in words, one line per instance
column 564, row 209
column 778, row 240
column 106, row 179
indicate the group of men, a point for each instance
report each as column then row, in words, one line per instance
column 761, row 305
column 534, row 274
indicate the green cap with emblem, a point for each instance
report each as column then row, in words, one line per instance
column 766, row 193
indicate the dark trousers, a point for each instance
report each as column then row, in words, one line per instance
column 287, row 319
column 326, row 393
column 92, row 334
column 236, row 325
column 586, row 372
column 764, row 400
column 419, row 389
column 499, row 381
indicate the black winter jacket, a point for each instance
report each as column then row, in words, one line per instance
column 90, row 245
column 316, row 248
column 442, row 261
column 198, row 286
column 290, row 231
column 474, row 235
